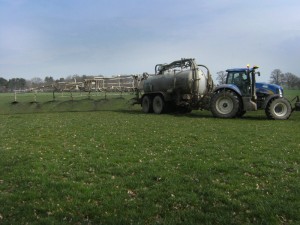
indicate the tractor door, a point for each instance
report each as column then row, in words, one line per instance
column 241, row 79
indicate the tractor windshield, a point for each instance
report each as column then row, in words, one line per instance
column 241, row 79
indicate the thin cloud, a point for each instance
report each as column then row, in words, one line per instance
column 118, row 37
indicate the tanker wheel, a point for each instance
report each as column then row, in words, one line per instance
column 158, row 104
column 279, row 109
column 225, row 104
column 147, row 104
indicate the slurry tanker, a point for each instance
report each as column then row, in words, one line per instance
column 184, row 85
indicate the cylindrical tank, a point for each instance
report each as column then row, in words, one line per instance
column 173, row 81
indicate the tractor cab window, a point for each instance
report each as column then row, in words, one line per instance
column 241, row 80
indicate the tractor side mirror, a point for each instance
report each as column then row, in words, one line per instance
column 258, row 73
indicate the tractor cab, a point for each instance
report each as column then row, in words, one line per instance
column 241, row 79
column 244, row 80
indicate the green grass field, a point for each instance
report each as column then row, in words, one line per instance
column 102, row 161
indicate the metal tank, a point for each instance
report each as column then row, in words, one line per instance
column 182, row 76
column 183, row 81
column 179, row 84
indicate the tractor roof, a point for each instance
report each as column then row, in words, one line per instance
column 243, row 69
column 240, row 69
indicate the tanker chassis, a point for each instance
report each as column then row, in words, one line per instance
column 183, row 86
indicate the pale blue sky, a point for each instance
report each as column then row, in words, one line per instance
column 58, row 38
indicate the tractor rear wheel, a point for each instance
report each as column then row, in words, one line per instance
column 147, row 104
column 225, row 104
column 279, row 109
column 158, row 104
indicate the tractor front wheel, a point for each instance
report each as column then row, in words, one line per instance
column 279, row 109
column 225, row 104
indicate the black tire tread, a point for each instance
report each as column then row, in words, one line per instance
column 236, row 104
column 270, row 110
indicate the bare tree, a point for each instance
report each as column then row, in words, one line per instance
column 291, row 80
column 221, row 77
column 36, row 82
column 277, row 77
column 49, row 80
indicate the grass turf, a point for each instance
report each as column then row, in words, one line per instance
column 120, row 166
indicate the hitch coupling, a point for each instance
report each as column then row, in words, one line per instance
column 297, row 104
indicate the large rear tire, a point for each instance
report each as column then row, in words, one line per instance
column 147, row 104
column 158, row 104
column 279, row 109
column 225, row 104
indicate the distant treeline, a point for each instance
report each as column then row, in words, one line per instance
column 22, row 84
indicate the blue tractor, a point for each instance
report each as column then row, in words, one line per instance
column 242, row 93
